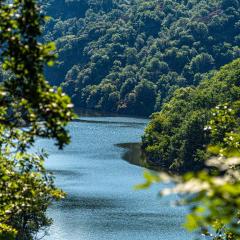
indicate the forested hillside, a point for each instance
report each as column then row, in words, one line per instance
column 129, row 56
column 177, row 137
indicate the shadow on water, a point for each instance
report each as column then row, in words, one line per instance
column 65, row 173
column 134, row 155
column 110, row 215
column 88, row 203
column 94, row 113
column 109, row 122
column 134, row 221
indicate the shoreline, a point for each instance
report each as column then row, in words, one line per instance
column 134, row 155
column 84, row 112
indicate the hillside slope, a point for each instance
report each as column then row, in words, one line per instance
column 176, row 138
column 130, row 56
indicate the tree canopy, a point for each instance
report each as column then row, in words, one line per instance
column 176, row 137
column 107, row 49
column 29, row 108
column 212, row 193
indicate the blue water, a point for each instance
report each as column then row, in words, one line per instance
column 101, row 203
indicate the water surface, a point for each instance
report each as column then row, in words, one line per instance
column 101, row 203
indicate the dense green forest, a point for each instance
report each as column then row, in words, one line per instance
column 178, row 57
column 129, row 56
column 177, row 137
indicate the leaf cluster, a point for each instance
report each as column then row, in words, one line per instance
column 213, row 194
column 29, row 108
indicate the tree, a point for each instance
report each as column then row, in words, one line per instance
column 213, row 192
column 145, row 93
column 202, row 63
column 230, row 3
column 29, row 108
column 175, row 137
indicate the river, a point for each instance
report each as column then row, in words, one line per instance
column 101, row 203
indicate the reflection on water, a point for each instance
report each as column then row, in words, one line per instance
column 135, row 155
column 69, row 173
column 87, row 202
column 137, row 124
column 101, row 203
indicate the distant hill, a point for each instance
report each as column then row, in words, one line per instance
column 129, row 56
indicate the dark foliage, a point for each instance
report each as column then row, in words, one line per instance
column 177, row 137
column 113, row 51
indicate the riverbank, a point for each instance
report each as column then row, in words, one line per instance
column 134, row 155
